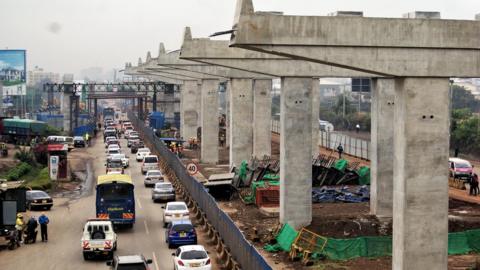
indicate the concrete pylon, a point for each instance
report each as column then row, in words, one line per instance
column 241, row 119
column 262, row 115
column 190, row 111
column 420, row 189
column 210, row 128
column 315, row 116
column 382, row 113
column 295, row 152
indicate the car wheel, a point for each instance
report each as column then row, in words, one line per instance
column 110, row 255
column 170, row 246
column 49, row 208
column 86, row 257
column 164, row 224
column 115, row 247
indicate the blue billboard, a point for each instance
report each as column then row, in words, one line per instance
column 13, row 75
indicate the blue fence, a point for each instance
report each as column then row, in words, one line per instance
column 242, row 251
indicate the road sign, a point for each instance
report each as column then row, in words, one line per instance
column 54, row 167
column 192, row 168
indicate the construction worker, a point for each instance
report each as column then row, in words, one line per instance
column 19, row 225
column 87, row 138
column 340, row 151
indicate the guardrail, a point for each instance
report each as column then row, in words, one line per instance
column 330, row 140
column 229, row 240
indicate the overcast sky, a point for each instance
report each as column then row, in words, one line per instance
column 70, row 35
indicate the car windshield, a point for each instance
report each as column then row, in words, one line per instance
column 118, row 156
column 114, row 151
column 182, row 228
column 151, row 160
column 462, row 165
column 176, row 207
column 38, row 194
column 131, row 266
column 163, row 186
column 154, row 173
column 194, row 255
column 143, row 150
column 78, row 138
column 115, row 164
column 115, row 191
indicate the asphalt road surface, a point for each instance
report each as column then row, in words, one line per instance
column 67, row 218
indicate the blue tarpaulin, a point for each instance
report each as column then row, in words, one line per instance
column 351, row 194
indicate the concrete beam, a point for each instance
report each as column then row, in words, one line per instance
column 420, row 190
column 382, row 46
column 135, row 71
column 218, row 53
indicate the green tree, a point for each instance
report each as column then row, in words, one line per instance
column 462, row 98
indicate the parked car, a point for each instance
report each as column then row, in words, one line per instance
column 78, row 141
column 175, row 211
column 152, row 177
column 99, row 239
column 180, row 233
column 131, row 262
column 191, row 257
column 163, row 191
column 150, row 162
column 460, row 168
column 38, row 199
column 141, row 153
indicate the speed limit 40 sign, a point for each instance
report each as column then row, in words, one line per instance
column 192, row 168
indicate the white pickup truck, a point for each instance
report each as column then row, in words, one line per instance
column 99, row 239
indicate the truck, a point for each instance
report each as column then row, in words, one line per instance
column 98, row 239
column 21, row 130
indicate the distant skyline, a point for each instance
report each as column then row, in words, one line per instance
column 68, row 36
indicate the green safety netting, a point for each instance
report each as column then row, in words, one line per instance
column 251, row 198
column 341, row 165
column 271, row 176
column 364, row 175
column 285, row 238
column 242, row 172
column 374, row 246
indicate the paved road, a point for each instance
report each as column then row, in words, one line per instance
column 63, row 250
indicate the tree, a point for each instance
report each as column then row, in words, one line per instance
column 462, row 98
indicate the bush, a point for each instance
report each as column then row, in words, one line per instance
column 25, row 155
column 19, row 171
column 42, row 182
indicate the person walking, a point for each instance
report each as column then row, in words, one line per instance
column 43, row 220
column 340, row 151
column 357, row 128
column 474, row 183
column 31, row 230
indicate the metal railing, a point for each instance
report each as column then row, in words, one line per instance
column 330, row 140
column 240, row 249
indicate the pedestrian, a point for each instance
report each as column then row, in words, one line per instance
column 31, row 230
column 474, row 183
column 457, row 150
column 222, row 139
column 87, row 139
column 43, row 220
column 19, row 225
column 340, row 151
column 357, row 128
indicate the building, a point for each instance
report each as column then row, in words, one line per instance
column 38, row 75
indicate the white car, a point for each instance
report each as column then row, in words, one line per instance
column 112, row 152
column 132, row 139
column 152, row 177
column 131, row 133
column 113, row 147
column 123, row 157
column 191, row 257
column 141, row 153
column 150, row 162
column 175, row 211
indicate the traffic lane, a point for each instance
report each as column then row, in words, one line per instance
column 155, row 217
column 63, row 249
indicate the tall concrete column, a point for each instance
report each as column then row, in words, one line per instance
column 227, row 113
column 241, row 119
column 95, row 109
column 210, row 129
column 296, row 152
column 315, row 116
column 189, row 110
column 420, row 189
column 381, row 187
column 66, row 109
column 262, row 116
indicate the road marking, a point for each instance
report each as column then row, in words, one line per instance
column 155, row 260
column 146, row 227
column 139, row 204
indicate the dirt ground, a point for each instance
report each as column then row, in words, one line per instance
column 337, row 220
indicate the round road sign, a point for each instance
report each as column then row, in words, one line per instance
column 192, row 168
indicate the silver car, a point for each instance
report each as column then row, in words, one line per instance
column 163, row 192
column 152, row 177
